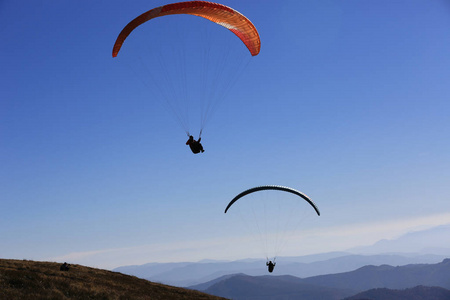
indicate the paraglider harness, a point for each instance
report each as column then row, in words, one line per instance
column 270, row 265
column 196, row 146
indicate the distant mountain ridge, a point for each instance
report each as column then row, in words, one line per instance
column 333, row 286
column 433, row 240
column 244, row 287
column 436, row 240
column 188, row 274
column 415, row 293
column 386, row 276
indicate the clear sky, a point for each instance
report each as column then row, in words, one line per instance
column 347, row 102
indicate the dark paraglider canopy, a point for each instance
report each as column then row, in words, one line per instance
column 275, row 188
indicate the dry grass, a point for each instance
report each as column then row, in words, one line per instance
column 23, row 279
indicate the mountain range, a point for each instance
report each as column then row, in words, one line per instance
column 416, row 293
column 336, row 286
column 435, row 240
column 187, row 274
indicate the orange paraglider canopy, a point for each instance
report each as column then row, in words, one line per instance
column 217, row 13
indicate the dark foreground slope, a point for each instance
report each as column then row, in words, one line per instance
column 21, row 279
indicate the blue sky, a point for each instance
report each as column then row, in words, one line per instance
column 347, row 102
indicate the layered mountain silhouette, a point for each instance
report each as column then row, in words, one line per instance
column 267, row 287
column 187, row 274
column 333, row 286
column 423, row 247
column 416, row 293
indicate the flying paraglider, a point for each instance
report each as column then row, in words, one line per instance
column 196, row 146
column 187, row 91
column 270, row 265
column 271, row 225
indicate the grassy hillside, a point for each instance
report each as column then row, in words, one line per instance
column 22, row 279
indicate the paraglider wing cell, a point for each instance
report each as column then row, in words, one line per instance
column 276, row 188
